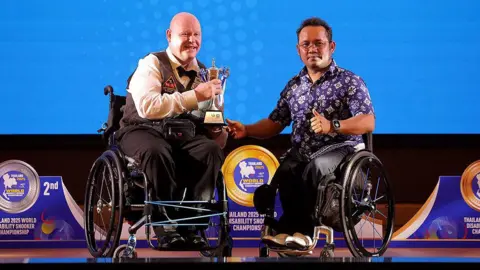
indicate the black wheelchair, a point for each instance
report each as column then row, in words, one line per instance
column 117, row 188
column 359, row 186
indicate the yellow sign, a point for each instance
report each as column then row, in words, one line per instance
column 470, row 185
column 245, row 169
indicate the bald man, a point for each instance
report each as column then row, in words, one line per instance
column 167, row 84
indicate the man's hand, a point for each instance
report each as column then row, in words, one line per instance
column 214, row 131
column 236, row 129
column 320, row 124
column 206, row 91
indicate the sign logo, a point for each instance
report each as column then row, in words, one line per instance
column 470, row 185
column 19, row 186
column 245, row 169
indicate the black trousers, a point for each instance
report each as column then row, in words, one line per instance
column 173, row 166
column 298, row 182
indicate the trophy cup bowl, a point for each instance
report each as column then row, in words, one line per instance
column 213, row 115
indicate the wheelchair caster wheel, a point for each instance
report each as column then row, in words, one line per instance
column 124, row 252
column 327, row 251
column 263, row 252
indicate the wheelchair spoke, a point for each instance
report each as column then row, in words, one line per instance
column 380, row 212
column 100, row 198
column 355, row 193
column 365, row 183
column 376, row 190
column 103, row 221
column 104, row 179
column 364, row 222
column 358, row 203
column 376, row 200
column 375, row 230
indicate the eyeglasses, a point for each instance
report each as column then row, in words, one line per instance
column 318, row 45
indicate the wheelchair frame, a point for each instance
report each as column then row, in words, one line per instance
column 349, row 169
column 125, row 176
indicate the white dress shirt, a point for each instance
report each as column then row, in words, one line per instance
column 146, row 90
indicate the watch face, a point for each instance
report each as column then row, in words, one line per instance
column 336, row 123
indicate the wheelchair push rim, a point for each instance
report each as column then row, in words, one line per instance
column 367, row 206
column 103, row 214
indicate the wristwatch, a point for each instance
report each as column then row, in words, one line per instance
column 336, row 124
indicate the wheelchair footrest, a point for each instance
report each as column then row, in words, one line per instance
column 291, row 251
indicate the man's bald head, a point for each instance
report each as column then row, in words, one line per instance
column 184, row 37
column 183, row 18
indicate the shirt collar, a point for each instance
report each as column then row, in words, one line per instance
column 332, row 70
column 175, row 63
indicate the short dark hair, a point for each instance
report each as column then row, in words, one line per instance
column 315, row 21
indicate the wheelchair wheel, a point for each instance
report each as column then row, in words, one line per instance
column 120, row 253
column 103, row 211
column 218, row 233
column 367, row 206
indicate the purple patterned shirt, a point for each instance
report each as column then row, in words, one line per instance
column 339, row 94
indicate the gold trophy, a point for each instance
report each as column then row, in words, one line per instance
column 214, row 116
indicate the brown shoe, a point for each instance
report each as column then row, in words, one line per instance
column 298, row 241
column 277, row 240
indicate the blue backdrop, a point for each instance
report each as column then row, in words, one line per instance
column 420, row 59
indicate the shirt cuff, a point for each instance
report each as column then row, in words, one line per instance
column 190, row 99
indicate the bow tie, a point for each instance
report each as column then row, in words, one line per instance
column 182, row 72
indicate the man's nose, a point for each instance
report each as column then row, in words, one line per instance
column 312, row 49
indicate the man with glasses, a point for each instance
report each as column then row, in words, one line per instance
column 330, row 108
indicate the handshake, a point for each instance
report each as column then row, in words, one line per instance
column 220, row 134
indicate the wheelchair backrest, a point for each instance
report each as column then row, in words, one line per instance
column 115, row 112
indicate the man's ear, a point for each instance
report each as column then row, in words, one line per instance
column 169, row 35
column 332, row 46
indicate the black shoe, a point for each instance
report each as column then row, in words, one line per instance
column 171, row 240
column 195, row 241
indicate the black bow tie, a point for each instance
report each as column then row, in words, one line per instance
column 182, row 72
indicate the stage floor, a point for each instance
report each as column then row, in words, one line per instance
column 241, row 252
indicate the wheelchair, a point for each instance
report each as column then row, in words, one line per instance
column 117, row 188
column 359, row 186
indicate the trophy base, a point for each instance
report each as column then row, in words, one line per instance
column 214, row 118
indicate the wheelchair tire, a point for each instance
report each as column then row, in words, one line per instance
column 224, row 241
column 352, row 208
column 327, row 253
column 108, row 163
column 118, row 253
column 263, row 252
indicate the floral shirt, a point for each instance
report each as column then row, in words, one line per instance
column 338, row 94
